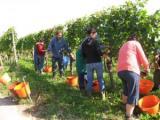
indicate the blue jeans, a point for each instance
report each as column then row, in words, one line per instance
column 60, row 65
column 130, row 82
column 39, row 62
column 66, row 61
column 98, row 67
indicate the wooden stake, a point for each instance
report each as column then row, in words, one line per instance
column 14, row 48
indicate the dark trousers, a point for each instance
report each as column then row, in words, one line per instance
column 60, row 65
column 81, row 81
column 39, row 62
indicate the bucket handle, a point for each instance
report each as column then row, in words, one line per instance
column 24, row 77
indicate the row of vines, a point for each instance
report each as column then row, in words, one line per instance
column 114, row 25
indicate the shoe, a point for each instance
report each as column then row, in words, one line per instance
column 103, row 96
column 42, row 73
column 131, row 118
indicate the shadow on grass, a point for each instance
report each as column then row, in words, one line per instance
column 56, row 100
column 7, row 101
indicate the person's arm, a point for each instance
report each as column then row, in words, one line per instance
column 83, row 49
column 98, row 48
column 66, row 47
column 142, row 57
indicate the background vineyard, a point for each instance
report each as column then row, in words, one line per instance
column 57, row 100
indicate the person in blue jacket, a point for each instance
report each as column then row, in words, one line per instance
column 57, row 47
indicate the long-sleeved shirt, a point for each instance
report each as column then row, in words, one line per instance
column 57, row 47
column 91, row 51
column 132, row 57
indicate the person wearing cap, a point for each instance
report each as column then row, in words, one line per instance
column 92, row 54
column 57, row 47
column 130, row 60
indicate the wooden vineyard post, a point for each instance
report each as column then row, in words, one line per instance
column 14, row 48
column 1, row 63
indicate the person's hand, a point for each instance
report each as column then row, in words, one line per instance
column 72, row 56
column 144, row 73
column 104, row 55
column 44, row 50
column 46, row 56
column 148, row 70
column 49, row 53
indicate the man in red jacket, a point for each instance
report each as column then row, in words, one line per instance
column 39, row 53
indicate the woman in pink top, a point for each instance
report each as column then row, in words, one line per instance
column 130, row 61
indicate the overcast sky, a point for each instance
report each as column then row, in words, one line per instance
column 29, row 16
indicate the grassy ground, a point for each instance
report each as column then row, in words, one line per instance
column 54, row 99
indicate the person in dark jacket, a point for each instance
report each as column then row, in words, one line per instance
column 92, row 53
column 57, row 47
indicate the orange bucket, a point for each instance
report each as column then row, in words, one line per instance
column 95, row 86
column 72, row 81
column 12, row 86
column 22, row 90
column 149, row 104
column 47, row 69
column 5, row 79
column 145, row 86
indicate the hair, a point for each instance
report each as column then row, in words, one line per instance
column 58, row 31
column 90, row 30
column 132, row 37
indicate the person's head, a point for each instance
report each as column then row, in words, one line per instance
column 92, row 33
column 132, row 37
column 59, row 34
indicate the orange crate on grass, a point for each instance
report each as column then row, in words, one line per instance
column 22, row 90
column 72, row 81
column 149, row 104
column 145, row 86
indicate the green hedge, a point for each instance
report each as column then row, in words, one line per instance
column 114, row 25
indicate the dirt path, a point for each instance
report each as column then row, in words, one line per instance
column 10, row 111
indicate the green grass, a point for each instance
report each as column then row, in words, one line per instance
column 54, row 99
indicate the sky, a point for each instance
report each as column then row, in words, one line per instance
column 28, row 16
